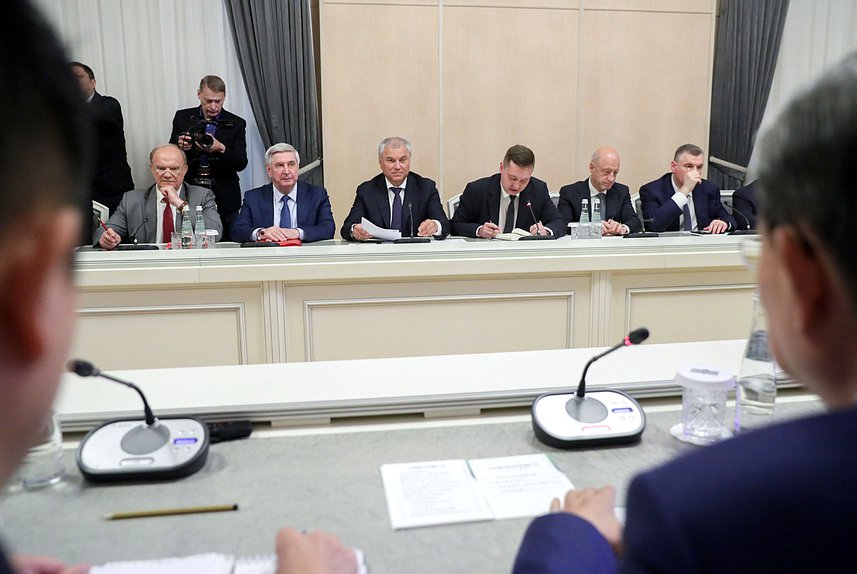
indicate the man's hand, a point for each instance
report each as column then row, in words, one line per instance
column 611, row 227
column 185, row 141
column 360, row 234
column 488, row 230
column 691, row 180
column 216, row 146
column 717, row 226
column 538, row 229
column 278, row 234
column 172, row 194
column 24, row 564
column 109, row 239
column 597, row 506
column 428, row 228
column 314, row 553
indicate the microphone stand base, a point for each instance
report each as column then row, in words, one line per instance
column 413, row 240
column 603, row 417
column 136, row 247
column 639, row 234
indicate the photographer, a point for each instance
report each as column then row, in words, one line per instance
column 216, row 147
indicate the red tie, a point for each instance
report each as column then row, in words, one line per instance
column 169, row 225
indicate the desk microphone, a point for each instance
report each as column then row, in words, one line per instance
column 570, row 420
column 134, row 246
column 128, row 449
column 746, row 230
column 538, row 235
column 411, row 238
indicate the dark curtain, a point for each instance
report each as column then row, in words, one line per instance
column 275, row 49
column 745, row 56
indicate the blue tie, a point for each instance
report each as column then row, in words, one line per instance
column 285, row 215
column 396, row 216
column 686, row 225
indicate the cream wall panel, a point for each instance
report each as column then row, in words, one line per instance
column 517, row 4
column 159, row 328
column 645, row 88
column 683, row 6
column 379, row 78
column 335, row 321
column 510, row 76
column 681, row 307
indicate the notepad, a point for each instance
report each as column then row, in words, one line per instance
column 210, row 563
column 450, row 491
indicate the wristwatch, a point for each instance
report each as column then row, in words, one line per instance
column 182, row 207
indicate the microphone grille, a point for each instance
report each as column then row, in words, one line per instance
column 637, row 336
column 82, row 368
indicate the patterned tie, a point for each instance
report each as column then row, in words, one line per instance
column 602, row 198
column 510, row 215
column 285, row 214
column 396, row 216
column 169, row 225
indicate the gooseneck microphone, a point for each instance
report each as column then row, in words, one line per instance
column 644, row 232
column 411, row 238
column 745, row 231
column 411, row 217
column 136, row 231
column 572, row 419
column 635, row 337
column 538, row 234
column 128, row 449
column 83, row 368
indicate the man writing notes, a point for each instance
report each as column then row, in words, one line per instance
column 215, row 142
column 617, row 215
column 502, row 202
column 396, row 198
column 682, row 200
column 151, row 215
column 285, row 208
column 778, row 499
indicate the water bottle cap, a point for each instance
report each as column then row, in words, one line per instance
column 705, row 378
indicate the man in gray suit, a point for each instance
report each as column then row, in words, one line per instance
column 149, row 215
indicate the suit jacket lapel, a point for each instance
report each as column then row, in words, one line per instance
column 301, row 193
column 266, row 210
column 494, row 200
column 151, row 203
column 382, row 201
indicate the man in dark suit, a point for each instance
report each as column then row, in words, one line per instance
column 388, row 199
column 488, row 206
column 215, row 142
column 617, row 215
column 150, row 215
column 682, row 200
column 744, row 202
column 778, row 499
column 285, row 208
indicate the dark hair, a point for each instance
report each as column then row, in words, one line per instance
column 690, row 149
column 213, row 83
column 805, row 170
column 522, row 156
column 44, row 157
column 86, row 69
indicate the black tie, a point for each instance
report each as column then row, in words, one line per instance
column 396, row 214
column 510, row 215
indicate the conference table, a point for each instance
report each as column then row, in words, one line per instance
column 314, row 459
column 333, row 300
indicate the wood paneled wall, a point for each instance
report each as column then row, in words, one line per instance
column 465, row 79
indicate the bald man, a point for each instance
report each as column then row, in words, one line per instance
column 617, row 214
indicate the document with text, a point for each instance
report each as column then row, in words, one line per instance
column 449, row 491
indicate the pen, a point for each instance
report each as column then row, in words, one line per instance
column 104, row 227
column 171, row 511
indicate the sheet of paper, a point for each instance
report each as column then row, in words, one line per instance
column 434, row 492
column 380, row 232
column 517, row 486
column 196, row 564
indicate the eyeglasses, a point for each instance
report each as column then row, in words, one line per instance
column 172, row 170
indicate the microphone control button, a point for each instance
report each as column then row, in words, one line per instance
column 135, row 462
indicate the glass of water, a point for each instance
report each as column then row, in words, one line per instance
column 43, row 464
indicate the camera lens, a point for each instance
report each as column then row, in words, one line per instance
column 206, row 140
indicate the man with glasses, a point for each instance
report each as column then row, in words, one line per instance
column 151, row 215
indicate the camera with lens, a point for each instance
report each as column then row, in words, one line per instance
column 197, row 131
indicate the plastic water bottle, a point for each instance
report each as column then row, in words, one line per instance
column 200, row 238
column 757, row 383
column 584, row 227
column 187, row 231
column 595, row 229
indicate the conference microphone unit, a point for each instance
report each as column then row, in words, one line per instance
column 134, row 246
column 133, row 449
column 536, row 221
column 411, row 238
column 579, row 419
column 643, row 233
column 745, row 231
